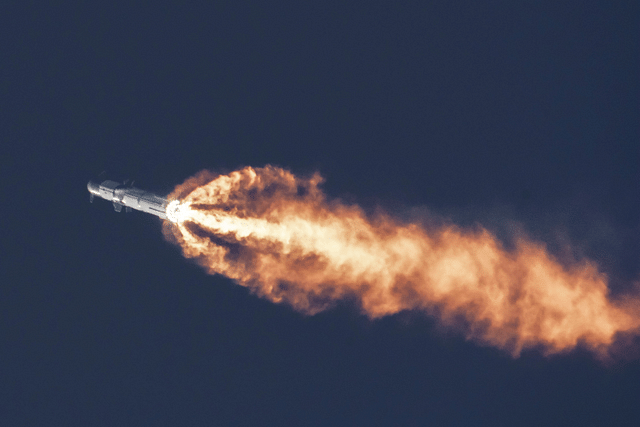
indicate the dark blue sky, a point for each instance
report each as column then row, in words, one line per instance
column 493, row 112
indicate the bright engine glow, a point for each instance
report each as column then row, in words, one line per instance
column 175, row 213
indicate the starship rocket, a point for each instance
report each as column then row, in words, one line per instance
column 123, row 195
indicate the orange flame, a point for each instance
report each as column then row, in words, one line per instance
column 278, row 235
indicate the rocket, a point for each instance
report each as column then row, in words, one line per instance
column 129, row 197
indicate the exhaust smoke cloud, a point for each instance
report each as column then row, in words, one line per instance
column 278, row 234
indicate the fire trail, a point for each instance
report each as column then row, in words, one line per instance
column 277, row 234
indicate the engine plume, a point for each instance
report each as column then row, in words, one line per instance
column 277, row 234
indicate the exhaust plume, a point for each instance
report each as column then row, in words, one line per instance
column 277, row 234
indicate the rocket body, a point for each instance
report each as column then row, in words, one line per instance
column 122, row 195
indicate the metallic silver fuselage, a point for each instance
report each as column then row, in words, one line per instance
column 129, row 197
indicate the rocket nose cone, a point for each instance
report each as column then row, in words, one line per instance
column 93, row 187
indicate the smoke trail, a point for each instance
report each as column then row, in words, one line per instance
column 278, row 235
